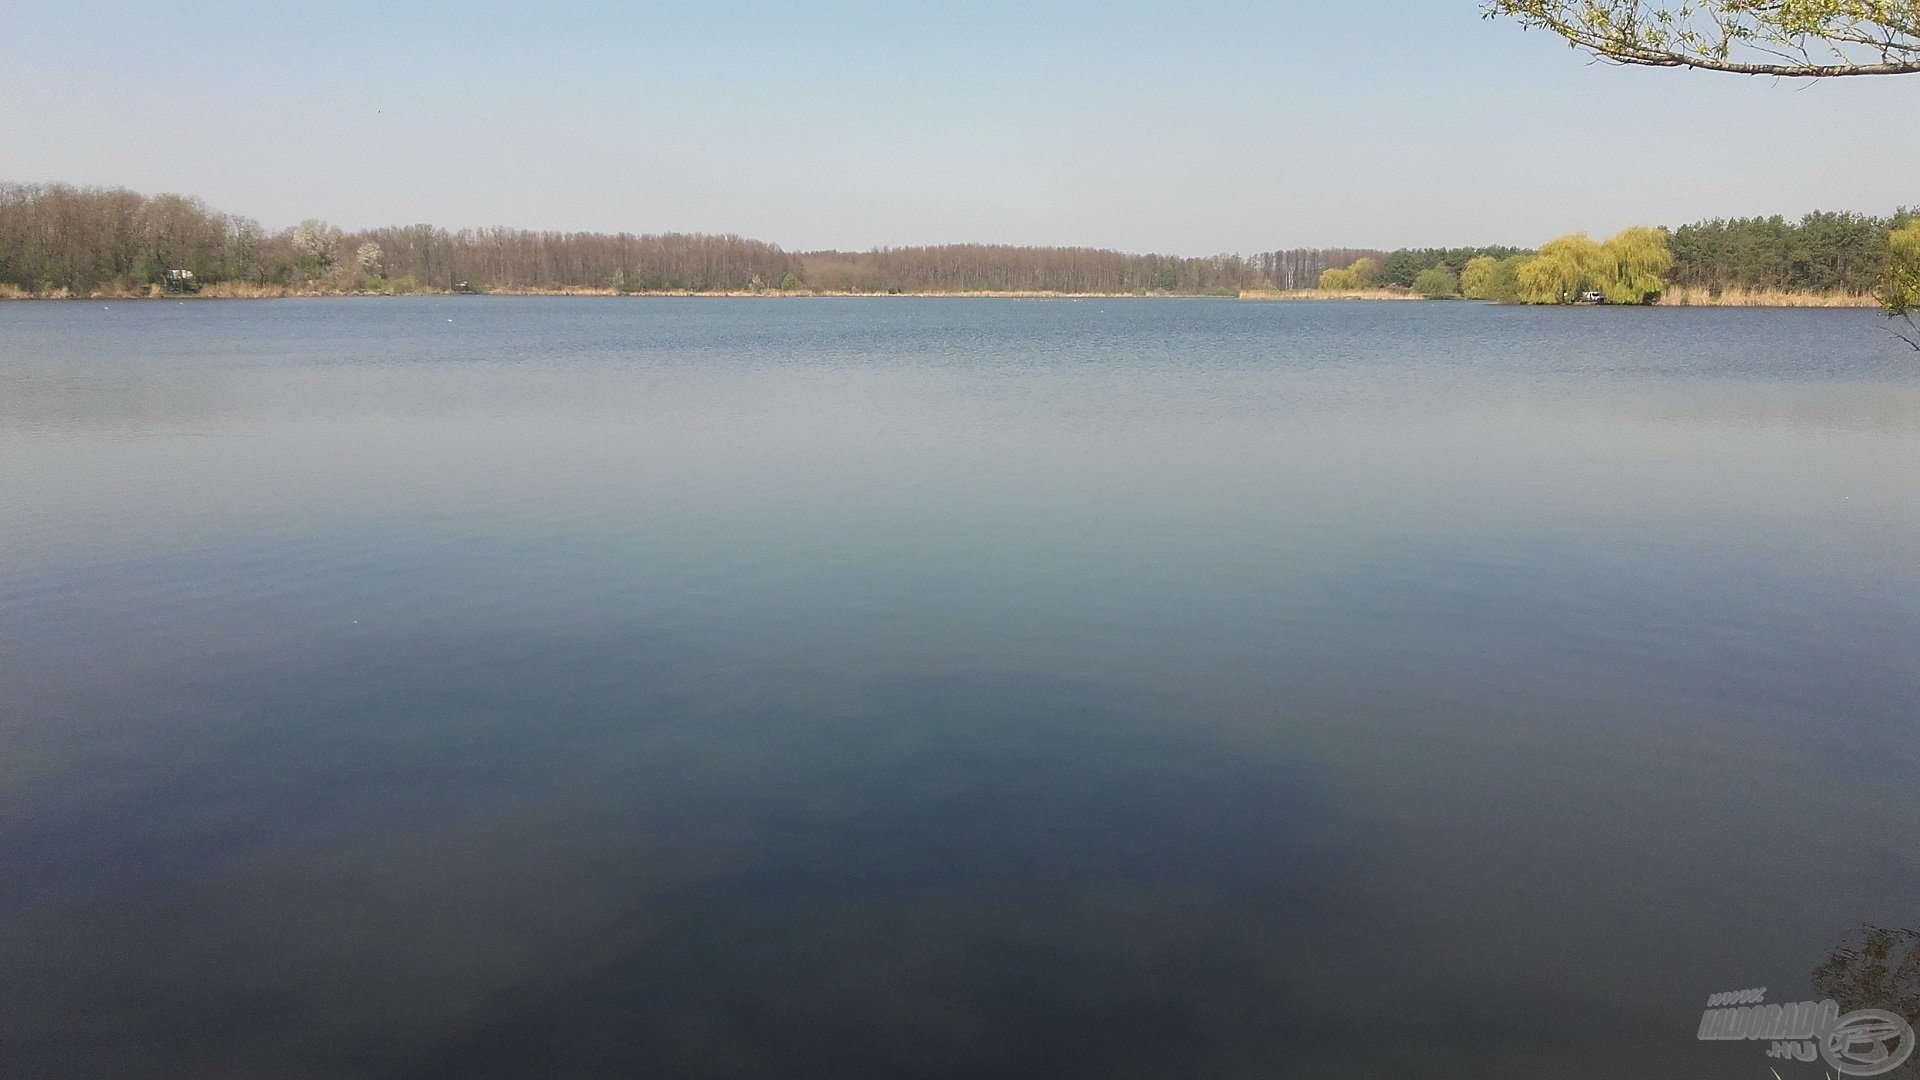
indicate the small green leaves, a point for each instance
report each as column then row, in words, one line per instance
column 1795, row 38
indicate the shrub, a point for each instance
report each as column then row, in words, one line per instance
column 1902, row 293
column 1339, row 281
column 1436, row 283
column 1488, row 278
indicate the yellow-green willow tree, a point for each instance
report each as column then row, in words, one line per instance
column 1339, row 280
column 1792, row 38
column 1631, row 268
column 1565, row 268
column 1902, row 293
column 1640, row 262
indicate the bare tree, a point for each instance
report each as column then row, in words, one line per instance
column 1793, row 38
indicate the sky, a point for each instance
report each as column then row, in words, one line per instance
column 1177, row 128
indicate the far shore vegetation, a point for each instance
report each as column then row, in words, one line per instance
column 61, row 241
column 1823, row 260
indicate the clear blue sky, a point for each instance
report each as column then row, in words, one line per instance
column 1180, row 128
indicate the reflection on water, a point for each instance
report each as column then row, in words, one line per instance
column 1876, row 968
column 611, row 688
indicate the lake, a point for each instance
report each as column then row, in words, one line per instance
column 595, row 687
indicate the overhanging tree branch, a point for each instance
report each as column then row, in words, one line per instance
column 1788, row 38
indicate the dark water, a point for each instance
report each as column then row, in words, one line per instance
column 600, row 688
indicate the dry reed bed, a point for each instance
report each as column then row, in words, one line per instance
column 1691, row 296
column 1327, row 294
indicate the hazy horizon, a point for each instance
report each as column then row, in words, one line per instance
column 852, row 125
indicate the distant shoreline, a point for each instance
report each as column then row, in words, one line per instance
column 1676, row 297
column 718, row 294
column 58, row 241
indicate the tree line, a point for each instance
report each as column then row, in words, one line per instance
column 1822, row 252
column 1007, row 268
column 1409, row 268
column 1631, row 268
column 59, row 239
column 62, row 240
column 1855, row 255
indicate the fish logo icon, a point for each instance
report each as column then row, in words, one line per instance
column 1870, row 1042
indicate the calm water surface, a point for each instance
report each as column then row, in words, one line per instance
column 590, row 688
